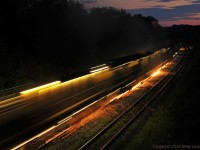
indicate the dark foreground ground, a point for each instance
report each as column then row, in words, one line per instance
column 175, row 124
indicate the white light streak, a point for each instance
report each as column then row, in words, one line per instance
column 64, row 120
column 83, row 108
column 98, row 66
column 100, row 69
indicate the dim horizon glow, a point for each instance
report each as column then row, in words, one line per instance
column 168, row 12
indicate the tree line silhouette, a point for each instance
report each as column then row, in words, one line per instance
column 43, row 40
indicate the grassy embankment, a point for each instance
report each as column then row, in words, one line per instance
column 176, row 121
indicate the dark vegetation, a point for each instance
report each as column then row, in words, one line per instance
column 176, row 121
column 44, row 40
column 184, row 33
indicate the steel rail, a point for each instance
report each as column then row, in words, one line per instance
column 94, row 138
column 118, row 134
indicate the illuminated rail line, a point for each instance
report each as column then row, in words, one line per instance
column 57, row 83
column 176, row 70
column 139, row 106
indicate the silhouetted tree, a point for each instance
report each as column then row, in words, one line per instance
column 48, row 39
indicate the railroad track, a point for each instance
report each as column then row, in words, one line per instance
column 109, row 134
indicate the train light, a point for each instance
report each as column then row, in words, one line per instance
column 99, row 69
column 36, row 89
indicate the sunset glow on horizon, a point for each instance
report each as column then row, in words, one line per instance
column 168, row 12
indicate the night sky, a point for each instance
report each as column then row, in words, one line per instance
column 168, row 12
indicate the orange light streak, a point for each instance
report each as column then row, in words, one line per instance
column 155, row 73
column 137, row 85
column 57, row 135
column 119, row 96
column 182, row 49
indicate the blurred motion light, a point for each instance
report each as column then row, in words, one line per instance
column 99, row 69
column 137, row 85
column 155, row 73
column 40, row 87
column 98, row 66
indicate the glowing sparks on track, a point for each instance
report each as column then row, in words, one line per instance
column 57, row 83
column 119, row 96
column 40, row 88
column 156, row 72
column 137, row 85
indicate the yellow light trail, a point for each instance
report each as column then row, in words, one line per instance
column 8, row 101
column 40, row 88
column 68, row 118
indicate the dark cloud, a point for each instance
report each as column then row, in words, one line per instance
column 159, row 6
column 197, row 1
column 189, row 16
column 87, row 1
column 168, row 14
column 165, row 1
column 159, row 0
